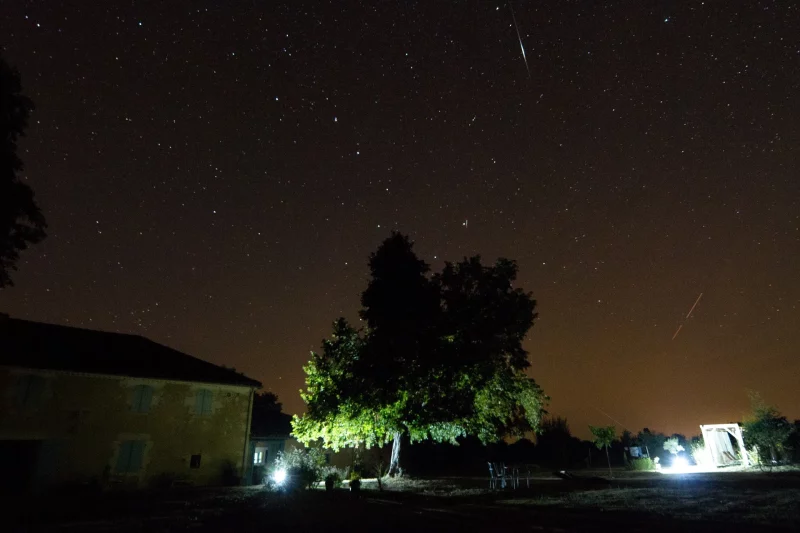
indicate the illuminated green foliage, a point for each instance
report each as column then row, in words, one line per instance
column 441, row 357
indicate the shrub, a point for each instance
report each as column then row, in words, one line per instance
column 697, row 449
column 642, row 464
column 305, row 467
column 335, row 475
column 754, row 456
column 766, row 430
column 673, row 446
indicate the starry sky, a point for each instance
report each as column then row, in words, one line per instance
column 215, row 175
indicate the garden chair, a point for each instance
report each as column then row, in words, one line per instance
column 501, row 474
column 496, row 476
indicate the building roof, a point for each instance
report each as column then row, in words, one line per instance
column 28, row 344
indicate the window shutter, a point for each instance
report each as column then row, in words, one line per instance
column 198, row 402
column 207, row 399
column 142, row 397
column 124, row 456
column 203, row 402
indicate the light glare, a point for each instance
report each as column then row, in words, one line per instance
column 680, row 463
column 279, row 476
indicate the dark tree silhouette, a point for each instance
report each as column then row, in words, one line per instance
column 441, row 357
column 267, row 401
column 401, row 309
column 21, row 221
column 268, row 418
column 554, row 442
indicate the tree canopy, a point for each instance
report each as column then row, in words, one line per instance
column 440, row 358
column 766, row 429
column 21, row 221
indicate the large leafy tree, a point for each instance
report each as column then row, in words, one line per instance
column 441, row 357
column 21, row 221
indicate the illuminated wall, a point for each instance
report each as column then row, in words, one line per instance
column 116, row 431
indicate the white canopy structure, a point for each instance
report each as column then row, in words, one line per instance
column 718, row 443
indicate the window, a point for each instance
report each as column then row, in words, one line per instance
column 30, row 391
column 260, row 456
column 131, row 453
column 203, row 402
column 142, row 398
column 194, row 461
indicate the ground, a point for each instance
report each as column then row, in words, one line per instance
column 727, row 501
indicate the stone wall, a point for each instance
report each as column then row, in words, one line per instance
column 76, row 426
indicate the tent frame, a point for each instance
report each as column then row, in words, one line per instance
column 733, row 429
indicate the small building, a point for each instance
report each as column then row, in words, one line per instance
column 79, row 406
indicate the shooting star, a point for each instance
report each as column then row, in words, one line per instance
column 687, row 316
column 617, row 422
column 519, row 38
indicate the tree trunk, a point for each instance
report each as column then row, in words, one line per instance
column 610, row 473
column 394, row 464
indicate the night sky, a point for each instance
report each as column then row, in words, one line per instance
column 215, row 175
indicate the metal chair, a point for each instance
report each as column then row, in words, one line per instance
column 497, row 475
column 492, row 477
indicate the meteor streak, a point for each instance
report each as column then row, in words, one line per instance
column 519, row 38
column 687, row 316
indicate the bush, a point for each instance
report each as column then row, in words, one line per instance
column 673, row 446
column 697, row 449
column 304, row 467
column 642, row 464
column 335, row 475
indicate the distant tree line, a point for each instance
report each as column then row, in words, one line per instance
column 769, row 438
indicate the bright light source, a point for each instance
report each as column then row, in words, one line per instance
column 279, row 476
column 680, row 463
column 680, row 466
